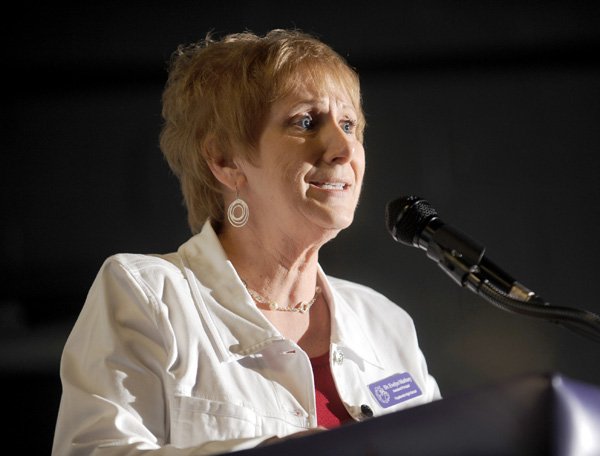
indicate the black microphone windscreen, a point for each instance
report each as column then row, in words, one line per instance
column 406, row 217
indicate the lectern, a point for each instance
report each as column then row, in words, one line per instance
column 541, row 414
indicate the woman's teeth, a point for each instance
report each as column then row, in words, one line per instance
column 332, row 186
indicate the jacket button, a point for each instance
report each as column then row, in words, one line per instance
column 338, row 357
column 366, row 411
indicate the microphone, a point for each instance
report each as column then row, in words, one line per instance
column 411, row 220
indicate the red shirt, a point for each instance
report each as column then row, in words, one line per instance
column 330, row 409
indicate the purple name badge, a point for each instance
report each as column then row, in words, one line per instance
column 395, row 389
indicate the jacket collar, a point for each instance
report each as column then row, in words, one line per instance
column 233, row 321
column 347, row 330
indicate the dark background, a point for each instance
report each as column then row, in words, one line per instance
column 488, row 109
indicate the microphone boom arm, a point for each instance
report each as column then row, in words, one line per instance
column 412, row 221
column 583, row 322
column 463, row 260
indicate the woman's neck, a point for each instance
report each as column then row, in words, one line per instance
column 275, row 266
column 285, row 272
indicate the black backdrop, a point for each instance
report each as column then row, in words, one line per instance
column 490, row 110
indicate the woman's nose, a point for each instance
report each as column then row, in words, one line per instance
column 339, row 145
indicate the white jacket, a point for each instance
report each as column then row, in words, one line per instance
column 170, row 354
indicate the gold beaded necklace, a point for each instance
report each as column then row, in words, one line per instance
column 301, row 307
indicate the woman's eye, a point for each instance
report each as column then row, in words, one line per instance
column 348, row 126
column 305, row 122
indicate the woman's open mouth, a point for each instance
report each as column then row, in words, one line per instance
column 330, row 185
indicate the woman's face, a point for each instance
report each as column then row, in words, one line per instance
column 310, row 165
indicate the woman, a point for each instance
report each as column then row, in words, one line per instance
column 239, row 338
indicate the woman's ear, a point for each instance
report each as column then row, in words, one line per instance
column 225, row 169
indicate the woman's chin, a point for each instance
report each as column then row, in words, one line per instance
column 335, row 222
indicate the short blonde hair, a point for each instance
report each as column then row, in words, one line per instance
column 218, row 94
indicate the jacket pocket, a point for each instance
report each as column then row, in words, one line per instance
column 195, row 421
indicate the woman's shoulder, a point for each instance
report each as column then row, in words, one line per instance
column 142, row 265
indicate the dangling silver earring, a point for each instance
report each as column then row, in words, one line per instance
column 238, row 212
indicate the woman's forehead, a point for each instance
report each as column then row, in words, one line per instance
column 306, row 88
column 306, row 99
